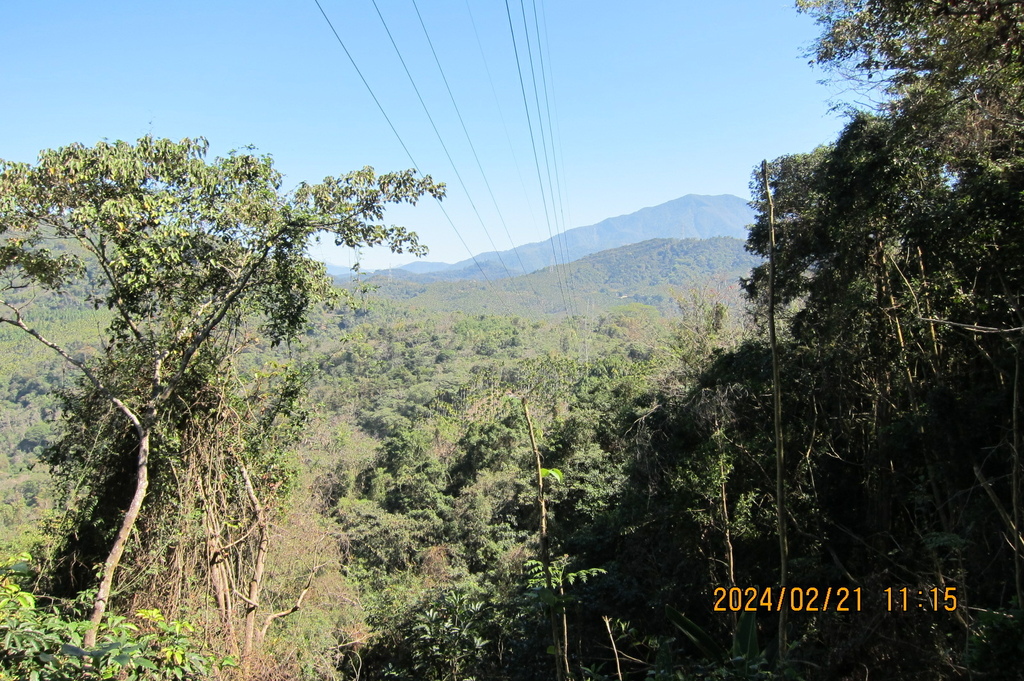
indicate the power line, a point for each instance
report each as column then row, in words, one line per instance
column 536, row 160
column 465, row 130
column 405, row 147
column 501, row 115
column 555, row 197
column 368, row 88
column 556, row 190
column 558, row 238
column 551, row 135
column 440, row 139
column 557, row 132
column 476, row 157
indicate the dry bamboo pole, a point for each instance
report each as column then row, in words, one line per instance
column 1018, row 549
column 780, row 458
column 561, row 656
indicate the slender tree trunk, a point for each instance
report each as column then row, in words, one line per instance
column 728, row 535
column 1015, row 479
column 256, row 582
column 780, row 460
column 220, row 579
column 615, row 649
column 143, row 428
column 728, row 532
column 117, row 550
column 561, row 656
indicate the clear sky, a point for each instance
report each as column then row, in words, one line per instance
column 644, row 103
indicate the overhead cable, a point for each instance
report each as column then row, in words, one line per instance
column 406, row 148
column 440, row 139
column 469, row 139
column 536, row 160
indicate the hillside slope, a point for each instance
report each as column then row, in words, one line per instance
column 689, row 217
column 651, row 272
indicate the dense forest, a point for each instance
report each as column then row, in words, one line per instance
column 218, row 465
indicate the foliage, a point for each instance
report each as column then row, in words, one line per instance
column 899, row 259
column 45, row 643
column 560, row 578
column 188, row 256
column 744, row 660
column 996, row 639
column 447, row 641
column 899, row 245
column 918, row 48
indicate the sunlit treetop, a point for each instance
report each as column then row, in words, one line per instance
column 176, row 238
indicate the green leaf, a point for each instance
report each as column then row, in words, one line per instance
column 744, row 640
column 697, row 636
column 21, row 568
column 547, row 596
column 73, row 651
column 104, row 648
column 553, row 472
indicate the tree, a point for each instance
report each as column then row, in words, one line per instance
column 903, row 247
column 954, row 62
column 183, row 251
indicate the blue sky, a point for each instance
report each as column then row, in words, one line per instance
column 647, row 102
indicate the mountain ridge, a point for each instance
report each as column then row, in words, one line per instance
column 693, row 216
column 652, row 272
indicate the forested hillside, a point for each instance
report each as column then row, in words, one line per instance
column 652, row 272
column 688, row 217
column 221, row 467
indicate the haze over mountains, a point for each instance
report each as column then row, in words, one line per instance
column 655, row 272
column 690, row 217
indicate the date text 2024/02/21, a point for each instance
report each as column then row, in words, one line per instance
column 834, row 599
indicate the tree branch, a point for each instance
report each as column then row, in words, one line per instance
column 972, row 327
column 295, row 608
column 212, row 323
column 101, row 257
column 20, row 323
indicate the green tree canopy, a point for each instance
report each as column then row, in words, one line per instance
column 183, row 251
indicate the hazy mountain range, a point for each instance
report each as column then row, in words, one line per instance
column 689, row 217
column 656, row 272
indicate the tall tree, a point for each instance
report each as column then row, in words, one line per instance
column 901, row 244
column 954, row 62
column 182, row 251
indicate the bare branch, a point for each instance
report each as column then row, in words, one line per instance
column 298, row 602
column 972, row 327
column 239, row 594
column 18, row 322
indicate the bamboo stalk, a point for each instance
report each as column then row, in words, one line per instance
column 561, row 656
column 615, row 649
column 780, row 459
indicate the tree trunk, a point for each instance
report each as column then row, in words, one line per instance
column 117, row 550
column 561, row 654
column 262, row 548
column 780, row 459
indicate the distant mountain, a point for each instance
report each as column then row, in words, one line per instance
column 337, row 271
column 690, row 217
column 652, row 272
column 424, row 266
